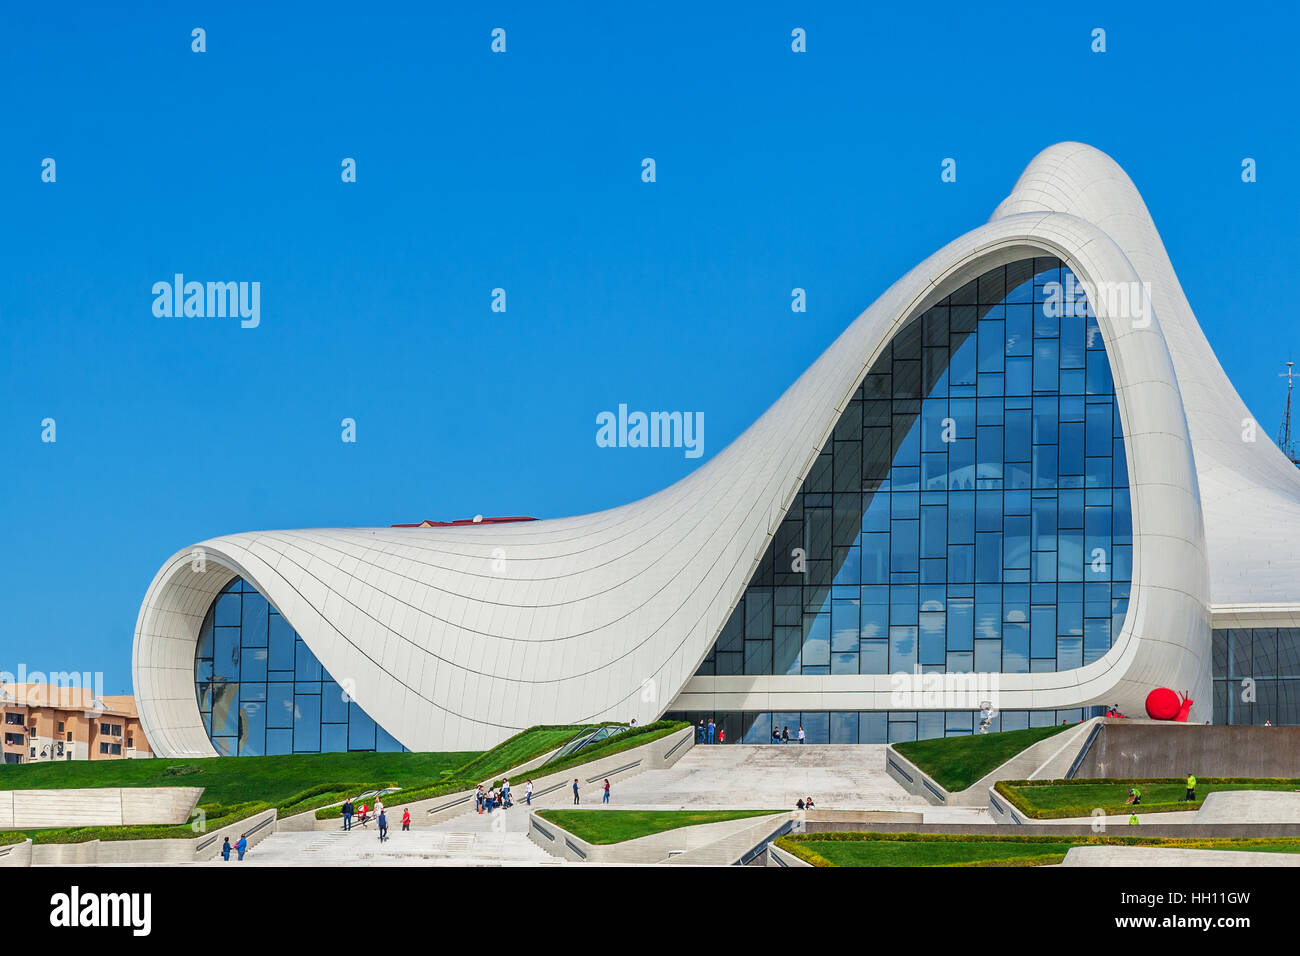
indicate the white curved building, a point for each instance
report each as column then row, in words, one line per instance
column 986, row 473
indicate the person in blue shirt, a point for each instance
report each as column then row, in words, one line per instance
column 242, row 846
column 575, row 790
column 225, row 850
column 701, row 740
column 383, row 826
column 712, row 728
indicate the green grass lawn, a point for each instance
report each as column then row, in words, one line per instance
column 909, row 853
column 231, row 780
column 1078, row 798
column 932, row 849
column 615, row 826
column 521, row 748
column 958, row 762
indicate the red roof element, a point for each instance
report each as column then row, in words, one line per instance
column 465, row 521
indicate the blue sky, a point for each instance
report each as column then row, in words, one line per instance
column 522, row 171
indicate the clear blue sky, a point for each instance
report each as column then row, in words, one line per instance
column 522, row 170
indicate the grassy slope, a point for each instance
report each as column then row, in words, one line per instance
column 635, row 737
column 615, row 826
column 519, row 749
column 230, row 780
column 1083, row 795
column 958, row 762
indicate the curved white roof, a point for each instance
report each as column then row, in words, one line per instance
column 457, row 637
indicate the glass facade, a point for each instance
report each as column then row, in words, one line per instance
column 262, row 691
column 1256, row 674
column 969, row 513
column 872, row 726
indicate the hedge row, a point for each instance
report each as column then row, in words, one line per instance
column 216, row 817
column 12, row 836
column 326, row 795
column 628, row 739
column 488, row 763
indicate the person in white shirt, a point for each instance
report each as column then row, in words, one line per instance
column 801, row 735
column 528, row 793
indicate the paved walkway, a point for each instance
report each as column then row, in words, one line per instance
column 419, row 847
column 718, row 777
column 770, row 776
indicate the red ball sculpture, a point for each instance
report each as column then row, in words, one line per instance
column 1165, row 704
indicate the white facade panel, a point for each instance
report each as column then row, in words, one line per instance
column 457, row 637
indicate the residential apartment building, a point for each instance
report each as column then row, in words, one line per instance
column 42, row 722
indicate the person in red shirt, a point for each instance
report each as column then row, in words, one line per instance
column 406, row 818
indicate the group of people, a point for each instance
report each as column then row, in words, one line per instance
column 365, row 814
column 487, row 800
column 710, row 733
column 805, row 804
column 1135, row 797
column 577, row 796
column 241, row 847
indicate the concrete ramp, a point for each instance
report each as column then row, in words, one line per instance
column 1111, row 856
column 1250, row 806
column 1150, row 748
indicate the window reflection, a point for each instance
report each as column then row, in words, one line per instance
column 260, row 689
column 1256, row 675
column 982, row 460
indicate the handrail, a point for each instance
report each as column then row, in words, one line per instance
column 1078, row 761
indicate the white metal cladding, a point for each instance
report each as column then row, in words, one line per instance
column 608, row 615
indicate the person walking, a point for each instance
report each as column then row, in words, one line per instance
column 576, row 801
column 1191, row 787
column 712, row 727
column 605, row 798
column 383, row 826
column 528, row 792
column 225, row 850
column 478, row 798
column 379, row 806
column 406, row 818
column 801, row 734
column 242, row 846
column 347, row 814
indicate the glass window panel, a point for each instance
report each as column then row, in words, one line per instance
column 947, row 501
column 255, row 612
